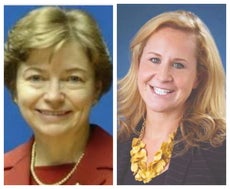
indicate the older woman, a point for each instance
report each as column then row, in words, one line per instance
column 171, row 105
column 57, row 67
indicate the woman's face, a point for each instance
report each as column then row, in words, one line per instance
column 167, row 71
column 55, row 96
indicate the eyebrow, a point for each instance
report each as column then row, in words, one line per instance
column 75, row 69
column 68, row 70
column 159, row 55
column 155, row 53
column 34, row 69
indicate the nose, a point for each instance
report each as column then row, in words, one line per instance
column 54, row 95
column 163, row 73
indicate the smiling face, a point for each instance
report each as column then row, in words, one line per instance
column 56, row 96
column 167, row 70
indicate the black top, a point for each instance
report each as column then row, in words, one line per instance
column 198, row 166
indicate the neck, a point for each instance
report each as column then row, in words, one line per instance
column 158, row 125
column 67, row 148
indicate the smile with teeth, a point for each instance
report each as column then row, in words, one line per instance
column 160, row 91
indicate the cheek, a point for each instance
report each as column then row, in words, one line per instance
column 140, row 78
column 186, row 84
column 144, row 72
column 25, row 95
column 81, row 98
column 26, row 102
column 193, row 79
column 187, row 76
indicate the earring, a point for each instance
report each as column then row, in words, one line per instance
column 15, row 100
column 94, row 102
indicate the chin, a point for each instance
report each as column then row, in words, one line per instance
column 53, row 131
column 159, row 108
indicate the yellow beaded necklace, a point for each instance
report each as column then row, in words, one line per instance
column 142, row 170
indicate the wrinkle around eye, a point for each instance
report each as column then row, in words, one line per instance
column 35, row 78
column 155, row 60
column 74, row 79
column 178, row 65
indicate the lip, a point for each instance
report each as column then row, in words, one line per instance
column 161, row 91
column 53, row 115
column 53, row 112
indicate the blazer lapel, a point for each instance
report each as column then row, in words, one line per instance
column 178, row 168
column 19, row 173
column 96, row 166
column 16, row 168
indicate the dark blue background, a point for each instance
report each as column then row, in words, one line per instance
column 16, row 131
column 131, row 17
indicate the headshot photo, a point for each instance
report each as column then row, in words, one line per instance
column 171, row 96
column 58, row 99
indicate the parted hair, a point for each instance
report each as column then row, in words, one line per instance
column 204, row 117
column 53, row 27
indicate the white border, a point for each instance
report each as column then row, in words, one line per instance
column 114, row 3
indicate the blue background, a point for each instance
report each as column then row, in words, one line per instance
column 16, row 130
column 131, row 17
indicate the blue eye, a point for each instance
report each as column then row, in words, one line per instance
column 155, row 60
column 178, row 65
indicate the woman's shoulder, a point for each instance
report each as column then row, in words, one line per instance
column 123, row 158
column 216, row 160
column 213, row 153
column 13, row 156
column 124, row 144
column 98, row 131
column 100, row 139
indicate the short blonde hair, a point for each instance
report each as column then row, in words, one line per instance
column 204, row 119
column 52, row 27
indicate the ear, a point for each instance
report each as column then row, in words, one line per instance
column 98, row 88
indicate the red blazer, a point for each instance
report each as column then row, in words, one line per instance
column 96, row 168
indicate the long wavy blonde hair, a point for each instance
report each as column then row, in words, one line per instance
column 204, row 118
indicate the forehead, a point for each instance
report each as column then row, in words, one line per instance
column 69, row 54
column 171, row 39
column 171, row 34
